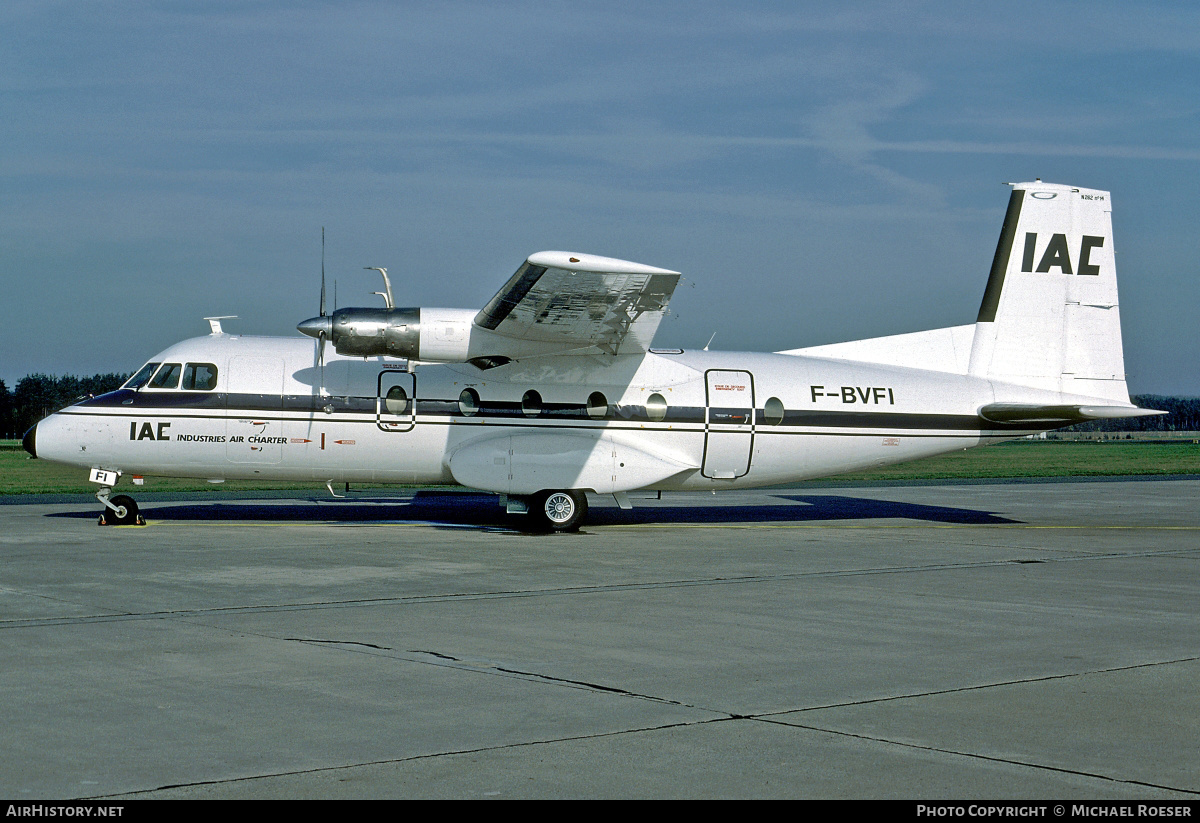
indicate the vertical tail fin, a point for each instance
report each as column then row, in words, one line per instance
column 1049, row 317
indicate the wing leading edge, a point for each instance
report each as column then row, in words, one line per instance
column 582, row 302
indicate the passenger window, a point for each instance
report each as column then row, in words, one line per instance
column 531, row 404
column 199, row 377
column 656, row 407
column 773, row 411
column 139, row 379
column 597, row 406
column 468, row 402
column 167, row 376
column 396, row 400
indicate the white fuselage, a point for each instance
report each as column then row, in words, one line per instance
column 668, row 420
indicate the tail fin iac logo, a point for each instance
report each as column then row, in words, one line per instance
column 1056, row 254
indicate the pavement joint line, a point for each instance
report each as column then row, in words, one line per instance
column 17, row 623
column 772, row 718
column 764, row 718
column 489, row 667
column 990, row 758
column 979, row 687
column 411, row 758
column 479, row 667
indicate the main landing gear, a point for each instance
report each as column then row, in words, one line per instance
column 557, row 510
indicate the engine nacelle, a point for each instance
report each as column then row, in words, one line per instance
column 438, row 335
column 371, row 332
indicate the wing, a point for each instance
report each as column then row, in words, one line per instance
column 581, row 302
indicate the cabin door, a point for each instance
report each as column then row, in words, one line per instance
column 729, row 424
column 254, row 410
column 396, row 403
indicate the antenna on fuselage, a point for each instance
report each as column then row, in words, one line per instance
column 709, row 343
column 214, row 323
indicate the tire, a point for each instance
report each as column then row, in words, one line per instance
column 558, row 510
column 126, row 513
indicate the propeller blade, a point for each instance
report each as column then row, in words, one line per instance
column 322, row 271
column 321, row 361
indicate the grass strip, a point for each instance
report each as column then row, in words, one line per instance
column 1022, row 458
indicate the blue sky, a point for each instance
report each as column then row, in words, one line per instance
column 818, row 174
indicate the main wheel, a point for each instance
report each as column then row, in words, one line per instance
column 558, row 511
column 126, row 513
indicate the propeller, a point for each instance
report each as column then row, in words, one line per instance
column 323, row 334
column 320, row 326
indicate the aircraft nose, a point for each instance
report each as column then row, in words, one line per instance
column 29, row 441
column 314, row 326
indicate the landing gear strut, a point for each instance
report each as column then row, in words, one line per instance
column 557, row 510
column 121, row 510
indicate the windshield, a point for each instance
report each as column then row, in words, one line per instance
column 139, row 379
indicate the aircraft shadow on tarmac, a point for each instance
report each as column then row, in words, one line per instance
column 459, row 509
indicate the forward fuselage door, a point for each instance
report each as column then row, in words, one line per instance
column 254, row 408
column 396, row 403
column 729, row 424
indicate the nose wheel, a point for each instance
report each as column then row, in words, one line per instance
column 558, row 511
column 121, row 510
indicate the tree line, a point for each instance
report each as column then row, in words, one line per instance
column 1183, row 415
column 38, row 395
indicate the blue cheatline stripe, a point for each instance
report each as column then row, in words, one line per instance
column 362, row 409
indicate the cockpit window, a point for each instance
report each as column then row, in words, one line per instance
column 139, row 379
column 167, row 376
column 199, row 377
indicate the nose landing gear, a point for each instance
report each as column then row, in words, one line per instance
column 121, row 510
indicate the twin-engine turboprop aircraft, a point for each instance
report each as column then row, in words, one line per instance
column 552, row 391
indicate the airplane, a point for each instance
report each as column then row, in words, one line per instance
column 552, row 391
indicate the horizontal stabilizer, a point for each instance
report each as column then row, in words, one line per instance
column 1056, row 416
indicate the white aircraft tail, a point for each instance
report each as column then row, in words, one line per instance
column 1049, row 317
